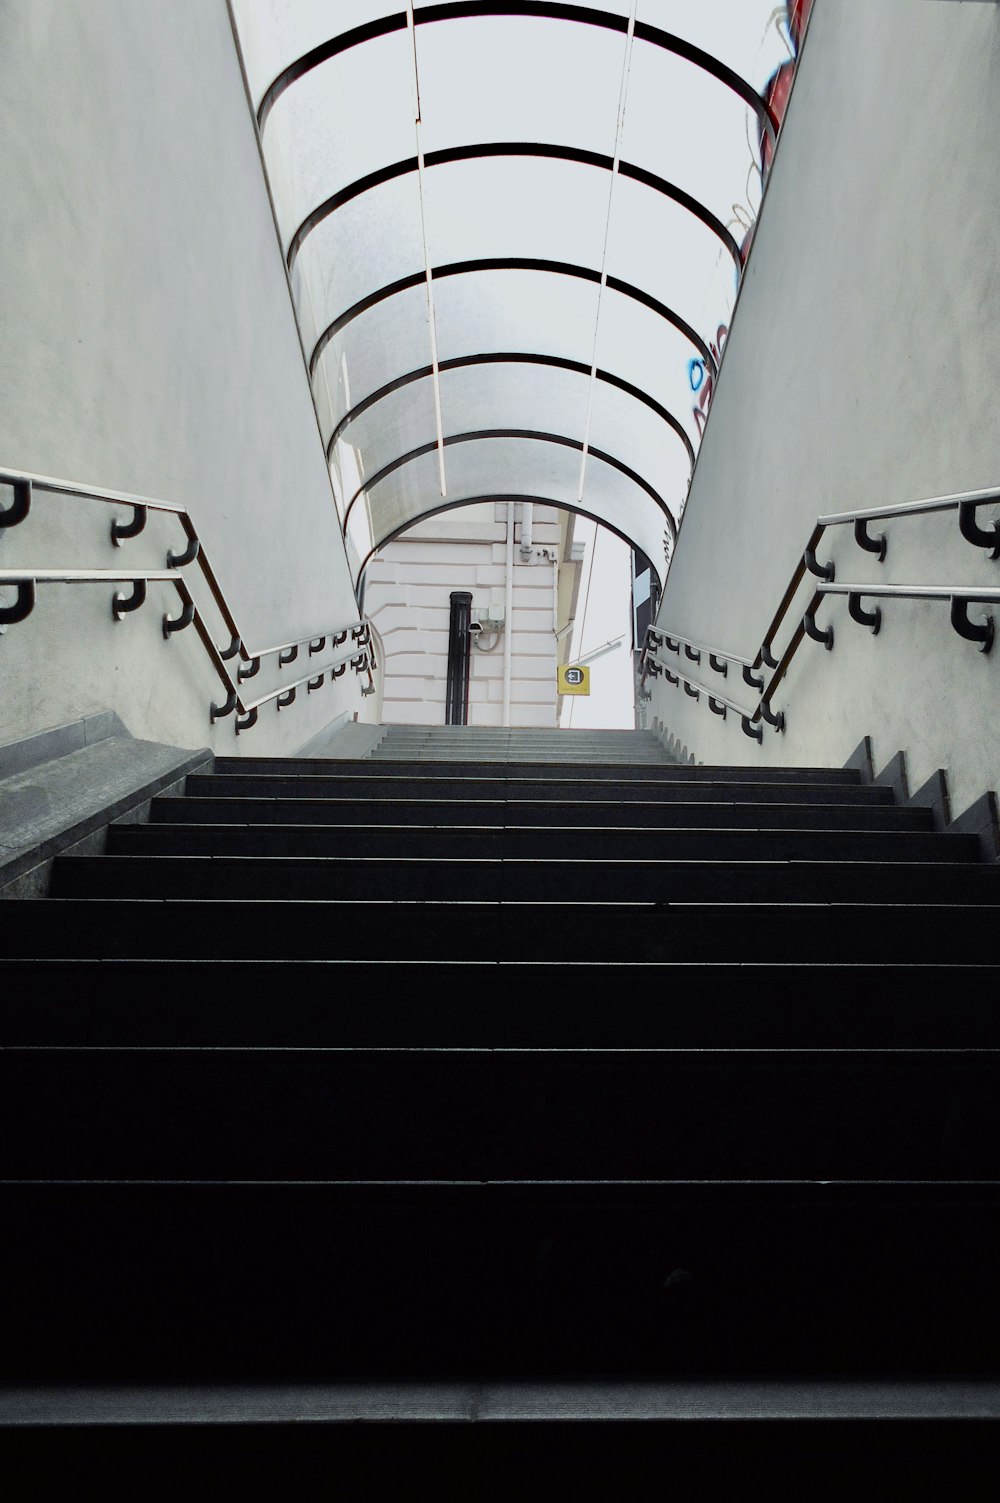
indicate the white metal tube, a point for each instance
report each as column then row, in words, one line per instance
column 508, row 612
column 527, row 520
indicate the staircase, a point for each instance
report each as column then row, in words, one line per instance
column 522, row 1078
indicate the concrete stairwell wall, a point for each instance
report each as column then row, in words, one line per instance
column 862, row 369
column 149, row 345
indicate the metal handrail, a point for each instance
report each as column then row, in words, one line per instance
column 964, row 502
column 912, row 508
column 700, row 647
column 26, row 482
column 694, row 687
column 26, row 579
column 360, row 659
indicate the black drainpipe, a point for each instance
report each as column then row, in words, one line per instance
column 459, row 646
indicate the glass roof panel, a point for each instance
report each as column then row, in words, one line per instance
column 472, row 398
column 687, row 127
column 515, row 310
column 401, row 421
column 351, row 116
column 516, row 206
column 518, row 395
column 274, row 33
column 375, row 347
column 749, row 36
column 622, row 425
column 502, row 467
column 657, row 245
column 519, row 79
column 542, row 82
column 651, row 354
column 371, row 241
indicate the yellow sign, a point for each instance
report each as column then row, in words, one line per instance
column 572, row 680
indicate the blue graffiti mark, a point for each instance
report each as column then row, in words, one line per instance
column 696, row 374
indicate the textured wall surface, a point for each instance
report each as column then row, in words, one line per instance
column 149, row 346
column 863, row 368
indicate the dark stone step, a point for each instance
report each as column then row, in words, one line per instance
column 173, row 835
column 706, row 932
column 547, row 771
column 329, row 878
column 317, row 1282
column 489, row 1114
column 564, row 791
column 454, row 812
column 575, row 1455
column 514, row 1004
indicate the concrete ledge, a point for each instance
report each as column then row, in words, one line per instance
column 19, row 756
column 349, row 740
column 738, row 1400
column 69, row 800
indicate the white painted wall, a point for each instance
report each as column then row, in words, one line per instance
column 407, row 597
column 862, row 368
column 150, row 346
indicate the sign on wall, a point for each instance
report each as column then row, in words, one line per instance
column 571, row 680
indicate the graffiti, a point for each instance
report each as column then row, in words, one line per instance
column 701, row 379
column 794, row 16
column 779, row 85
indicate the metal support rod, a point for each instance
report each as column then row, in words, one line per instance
column 980, row 537
column 865, row 540
column 317, row 646
column 817, row 633
column 693, row 653
column 821, row 571
column 755, row 732
column 980, row 632
column 688, row 689
column 716, row 707
column 288, row 655
column 314, row 683
column 23, row 605
column 247, row 670
column 719, row 664
column 216, row 712
column 121, row 603
column 190, row 553
column 751, row 679
column 231, row 650
column 17, row 511
column 284, row 700
column 767, row 657
column 777, row 719
column 178, row 623
column 122, row 530
column 248, row 721
column 857, row 612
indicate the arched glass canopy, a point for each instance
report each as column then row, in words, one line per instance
column 514, row 234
